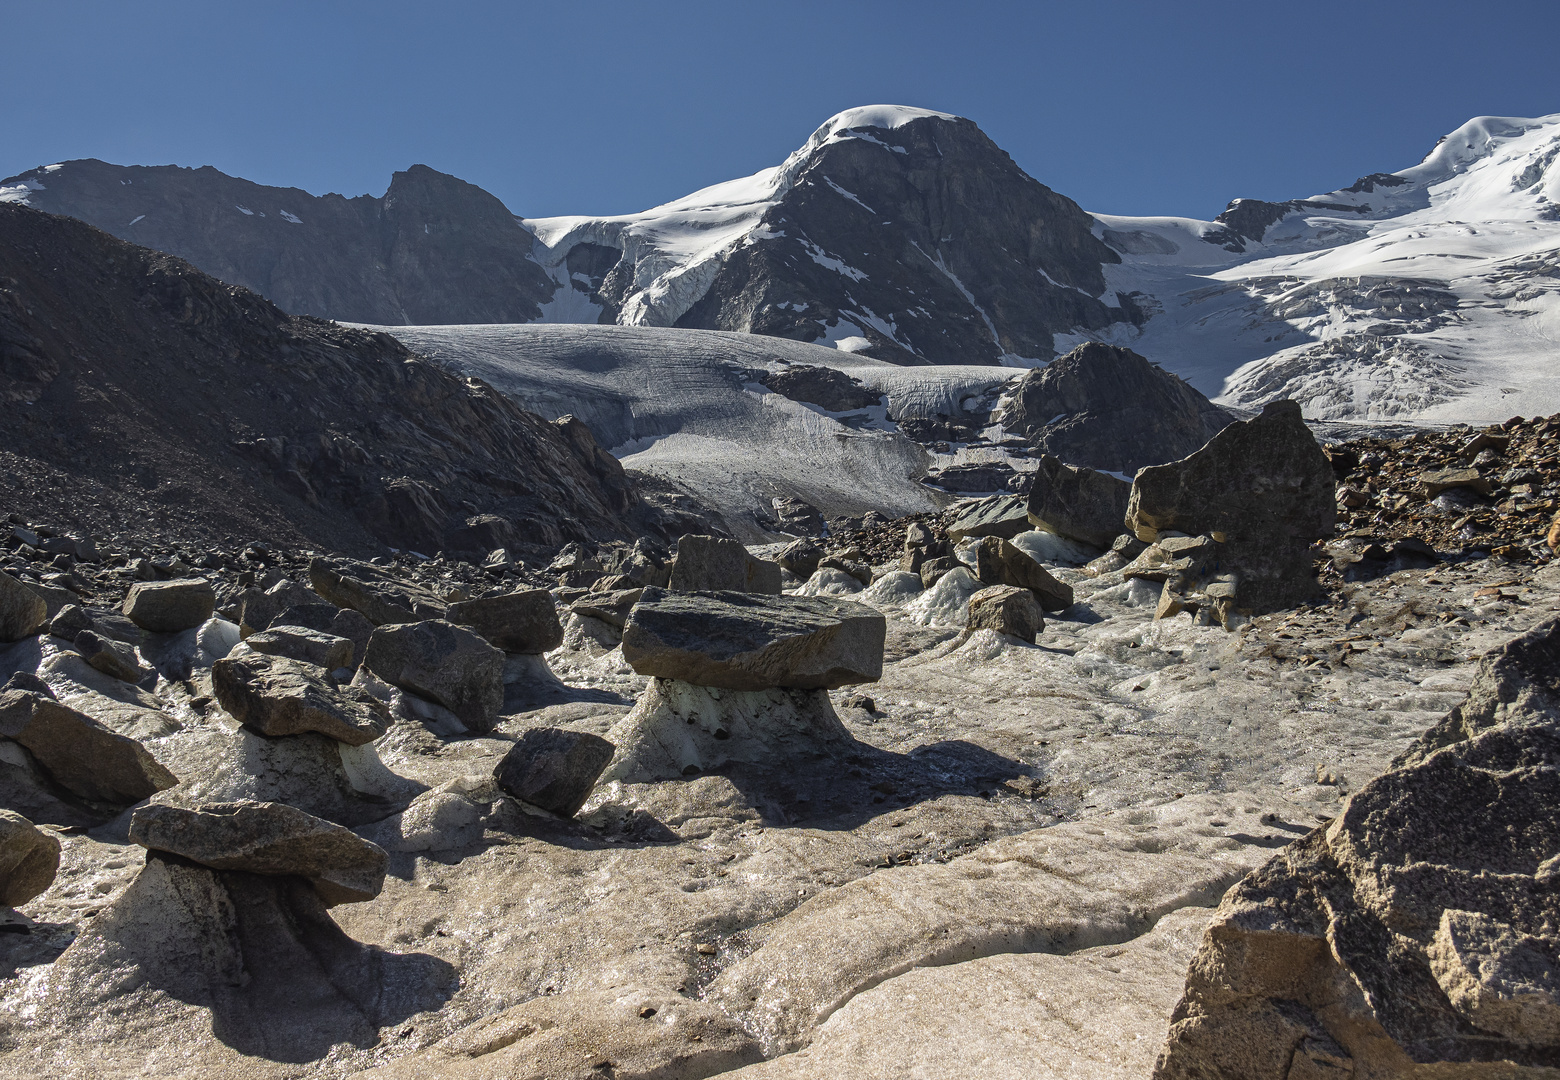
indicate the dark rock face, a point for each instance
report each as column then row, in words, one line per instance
column 554, row 768
column 981, row 260
column 79, row 754
column 433, row 249
column 1263, row 488
column 521, row 622
column 22, row 611
column 315, row 647
column 276, row 696
column 1108, row 408
column 166, row 607
column 741, row 641
column 998, row 562
column 611, row 607
column 1250, row 219
column 709, row 563
column 1078, row 503
column 377, row 596
column 1418, row 927
column 821, row 386
column 996, row 515
column 158, row 391
column 444, row 663
column 267, row 838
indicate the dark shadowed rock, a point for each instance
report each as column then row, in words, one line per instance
column 377, row 595
column 78, row 753
column 22, row 612
column 801, row 557
column 933, row 569
column 825, row 387
column 1417, row 933
column 996, row 515
column 554, row 768
column 258, row 609
column 301, row 643
column 1078, row 503
column 741, row 641
column 1263, row 488
column 998, row 562
column 70, row 621
column 444, row 663
column 267, row 838
column 1108, row 408
column 709, row 563
column 1006, row 609
column 798, row 518
column 329, row 619
column 276, row 696
column 29, row 859
column 518, row 622
column 111, row 657
column 166, row 607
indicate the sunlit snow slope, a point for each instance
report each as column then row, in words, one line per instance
column 1431, row 293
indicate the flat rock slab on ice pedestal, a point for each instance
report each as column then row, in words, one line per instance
column 22, row 611
column 740, row 641
column 29, row 859
column 554, row 768
column 275, row 695
column 267, row 838
column 708, row 563
column 443, row 662
column 315, row 647
column 519, row 622
column 166, row 607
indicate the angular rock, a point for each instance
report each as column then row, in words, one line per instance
column 997, row 515
column 1263, row 488
column 798, row 518
column 1078, row 503
column 611, row 608
column 22, row 611
column 518, row 622
column 111, row 657
column 267, row 838
column 1415, row 934
column 301, row 643
column 801, row 558
column 258, row 609
column 825, row 387
column 166, row 607
column 741, row 641
column 933, row 569
column 70, row 621
column 1006, row 609
column 708, row 563
column 276, row 696
column 80, row 754
column 29, row 859
column 856, row 569
column 998, row 562
column 369, row 590
column 554, row 768
column 1436, row 481
column 329, row 619
column 443, row 662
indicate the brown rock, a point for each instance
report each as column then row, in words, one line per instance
column 166, row 607
column 1436, row 481
column 998, row 562
column 276, row 696
column 1006, row 609
column 29, row 859
column 80, row 754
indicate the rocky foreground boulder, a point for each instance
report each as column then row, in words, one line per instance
column 80, row 754
column 29, row 859
column 1419, row 932
column 277, row 695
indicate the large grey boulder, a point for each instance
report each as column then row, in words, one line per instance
column 998, row 562
column 380, row 597
column 166, row 607
column 518, row 622
column 267, row 838
column 741, row 641
column 444, row 663
column 554, row 768
column 22, row 612
column 276, row 695
column 78, row 753
column 258, row 609
column 111, row 657
column 29, row 859
column 996, row 515
column 301, row 643
column 709, row 563
column 1006, row 609
column 1263, row 488
column 1078, row 503
column 1109, row 408
column 1416, row 934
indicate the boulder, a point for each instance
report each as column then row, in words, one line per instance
column 801, row 558
column 861, row 571
column 22, row 611
column 518, row 622
column 1109, row 408
column 798, row 518
column 827, row 388
column 998, row 562
column 611, row 608
column 1263, row 488
column 258, row 609
column 29, row 859
column 933, row 569
column 554, row 768
column 267, row 838
column 166, row 607
column 301, row 643
column 741, row 641
column 78, row 753
column 1416, row 934
column 367, row 589
column 996, row 515
column 1078, row 503
column 329, row 619
column 1006, row 609
column 443, row 662
column 111, row 657
column 70, row 621
column 708, row 563
column 276, row 695
column 1436, row 481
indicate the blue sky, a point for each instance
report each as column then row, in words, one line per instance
column 595, row 108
